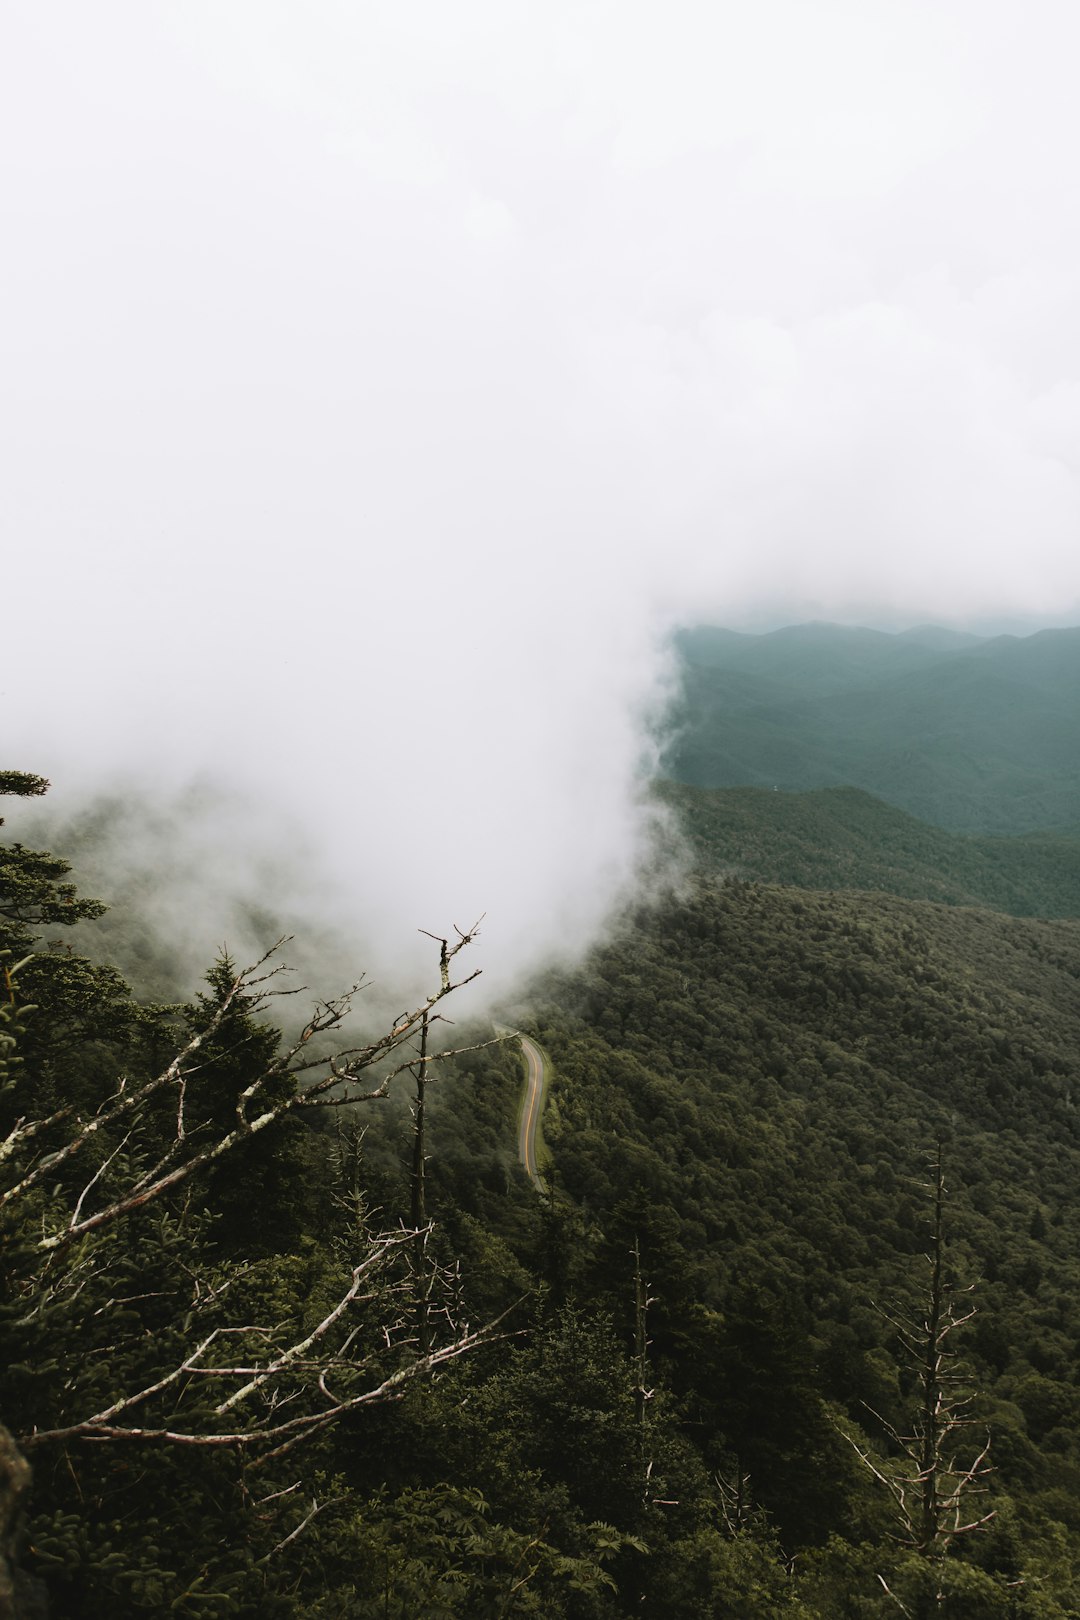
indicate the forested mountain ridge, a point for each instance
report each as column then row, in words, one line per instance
column 979, row 736
column 844, row 838
column 749, row 1083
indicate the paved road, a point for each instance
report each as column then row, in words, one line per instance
column 531, row 1109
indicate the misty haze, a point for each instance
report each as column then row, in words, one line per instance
column 565, row 520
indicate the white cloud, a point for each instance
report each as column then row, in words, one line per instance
column 384, row 381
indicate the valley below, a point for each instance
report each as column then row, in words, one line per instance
column 800, row 1238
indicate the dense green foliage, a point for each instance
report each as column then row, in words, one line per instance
column 748, row 1082
column 974, row 735
column 842, row 838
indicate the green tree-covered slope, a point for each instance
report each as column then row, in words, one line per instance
column 977, row 736
column 843, row 838
column 749, row 1081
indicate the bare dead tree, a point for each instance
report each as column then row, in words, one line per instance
column 643, row 1393
column 349, row 1195
column 291, row 1388
column 422, row 1277
column 652, row 1487
column 319, row 1083
column 261, row 1388
column 421, row 1074
column 933, row 1480
column 736, row 1503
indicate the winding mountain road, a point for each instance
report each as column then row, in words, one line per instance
column 532, row 1106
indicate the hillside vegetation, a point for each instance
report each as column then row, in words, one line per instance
column 692, row 1337
column 974, row 735
column 844, row 838
column 750, row 1081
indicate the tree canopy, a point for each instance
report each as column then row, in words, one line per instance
column 250, row 1382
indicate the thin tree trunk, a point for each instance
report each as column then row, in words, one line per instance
column 930, row 1374
column 419, row 1192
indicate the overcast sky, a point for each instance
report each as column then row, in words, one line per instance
column 381, row 382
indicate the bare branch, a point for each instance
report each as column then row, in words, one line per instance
column 124, row 1102
column 272, row 1387
column 335, row 1088
column 316, row 1508
column 377, row 1258
column 284, row 1435
column 927, row 1482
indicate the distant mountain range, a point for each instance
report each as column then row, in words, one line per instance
column 843, row 838
column 972, row 734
